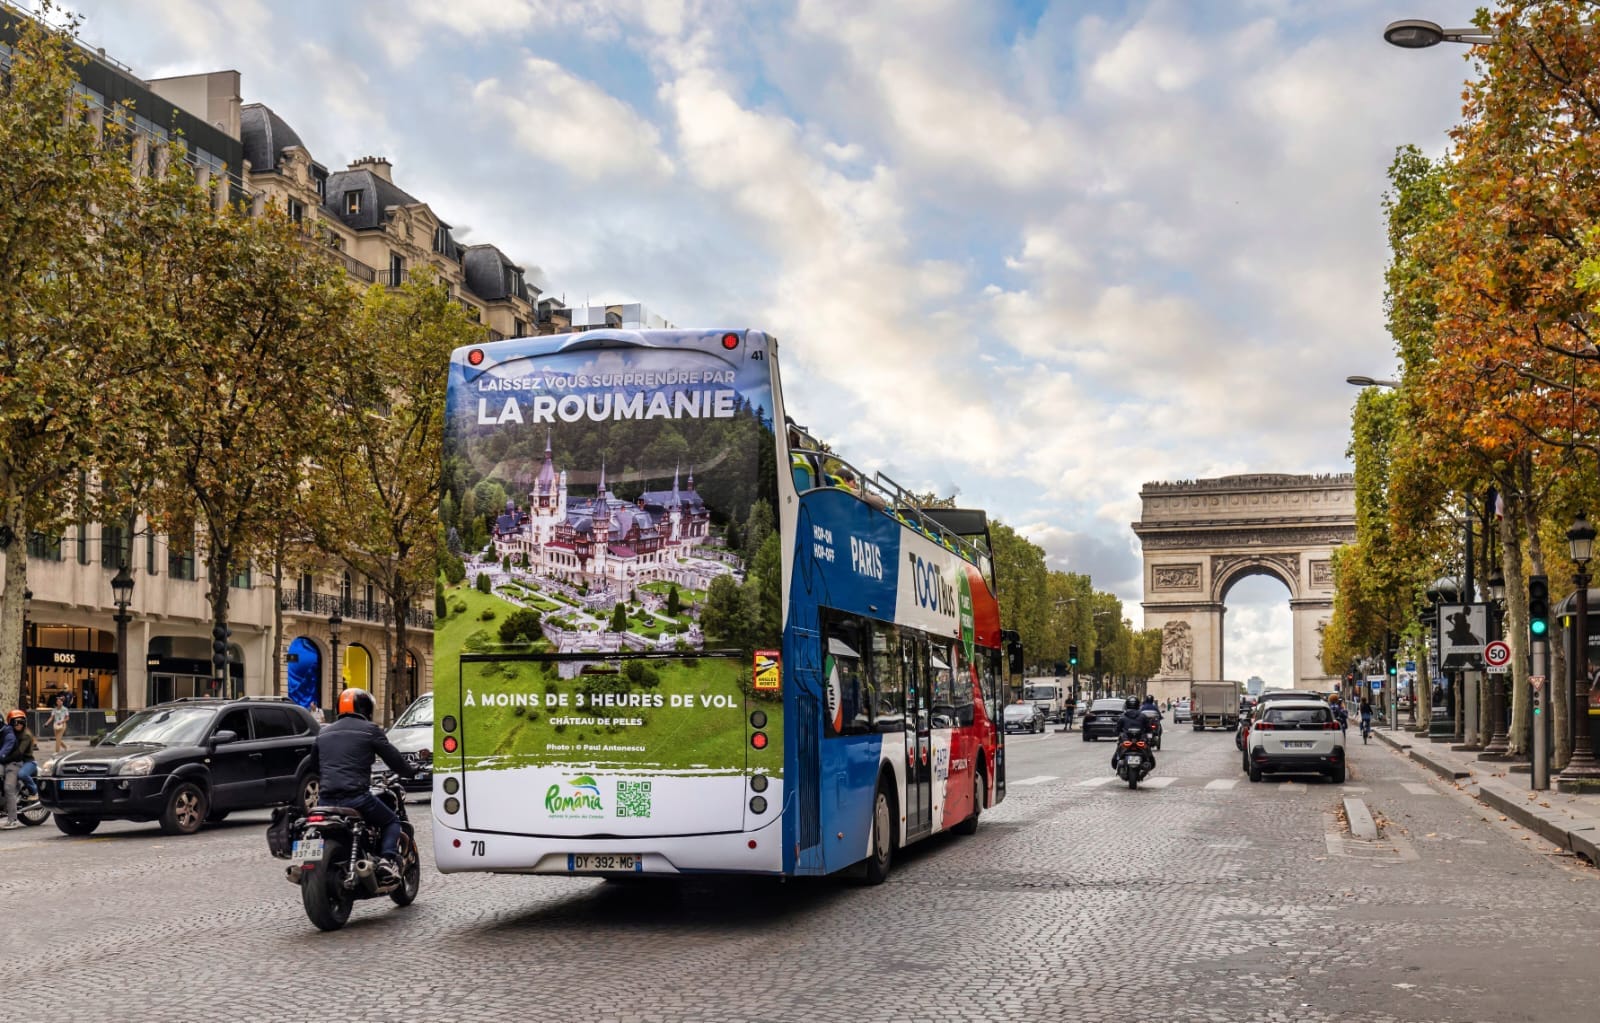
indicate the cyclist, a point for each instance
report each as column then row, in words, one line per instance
column 1366, row 718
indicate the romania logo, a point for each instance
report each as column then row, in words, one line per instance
column 580, row 797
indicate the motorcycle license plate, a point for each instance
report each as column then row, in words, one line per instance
column 307, row 849
column 79, row 784
column 604, row 861
column 1135, row 759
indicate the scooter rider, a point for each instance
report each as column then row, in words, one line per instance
column 343, row 757
column 1131, row 725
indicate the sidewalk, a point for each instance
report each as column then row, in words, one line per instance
column 1571, row 822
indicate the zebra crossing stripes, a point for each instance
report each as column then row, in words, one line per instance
column 1035, row 780
column 1160, row 782
column 1090, row 783
column 1221, row 784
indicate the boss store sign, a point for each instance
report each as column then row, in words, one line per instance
column 84, row 660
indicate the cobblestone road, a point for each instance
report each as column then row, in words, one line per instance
column 1202, row 897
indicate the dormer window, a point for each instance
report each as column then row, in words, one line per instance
column 352, row 203
column 441, row 240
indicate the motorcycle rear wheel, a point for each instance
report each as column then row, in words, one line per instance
column 325, row 903
column 1133, row 779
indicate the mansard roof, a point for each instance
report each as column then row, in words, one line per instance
column 265, row 135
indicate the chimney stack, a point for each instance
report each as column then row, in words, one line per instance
column 376, row 164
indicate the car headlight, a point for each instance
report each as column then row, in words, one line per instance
column 47, row 768
column 138, row 765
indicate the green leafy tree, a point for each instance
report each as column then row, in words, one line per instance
column 483, row 582
column 521, row 626
column 674, row 606
column 619, row 618
column 727, row 615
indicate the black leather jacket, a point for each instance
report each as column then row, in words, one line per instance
column 344, row 752
column 1132, row 722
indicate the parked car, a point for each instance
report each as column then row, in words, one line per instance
column 412, row 735
column 1023, row 716
column 1101, row 719
column 1296, row 737
column 184, row 763
column 1180, row 710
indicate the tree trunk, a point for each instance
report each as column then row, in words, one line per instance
column 1517, row 618
column 279, row 684
column 219, row 563
column 11, row 638
column 1560, row 708
column 1422, row 693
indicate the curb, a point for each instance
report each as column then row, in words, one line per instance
column 1443, row 770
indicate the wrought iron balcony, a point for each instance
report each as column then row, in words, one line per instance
column 323, row 605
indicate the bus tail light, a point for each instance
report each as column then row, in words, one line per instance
column 759, row 740
column 730, row 341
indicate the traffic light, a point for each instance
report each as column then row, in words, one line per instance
column 1072, row 654
column 1538, row 606
column 1389, row 663
column 1061, row 668
column 219, row 644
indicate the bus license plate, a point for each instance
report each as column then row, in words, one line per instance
column 307, row 849
column 79, row 784
column 604, row 861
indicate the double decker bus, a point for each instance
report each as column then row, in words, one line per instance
column 690, row 639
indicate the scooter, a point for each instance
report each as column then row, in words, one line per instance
column 30, row 810
column 1135, row 761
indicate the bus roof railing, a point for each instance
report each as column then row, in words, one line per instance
column 898, row 502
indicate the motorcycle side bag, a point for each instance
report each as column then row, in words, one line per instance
column 280, row 832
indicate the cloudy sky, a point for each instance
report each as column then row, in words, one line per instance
column 1035, row 252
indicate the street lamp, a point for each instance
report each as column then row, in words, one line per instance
column 335, row 627
column 122, row 594
column 1361, row 381
column 1582, row 770
column 1499, row 741
column 1417, row 34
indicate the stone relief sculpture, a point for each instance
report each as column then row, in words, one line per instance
column 1177, row 649
column 1175, row 577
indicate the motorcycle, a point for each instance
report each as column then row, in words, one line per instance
column 334, row 856
column 1135, row 761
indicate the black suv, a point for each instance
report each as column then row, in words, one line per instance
column 184, row 763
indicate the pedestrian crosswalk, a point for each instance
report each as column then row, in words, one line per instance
column 1290, row 785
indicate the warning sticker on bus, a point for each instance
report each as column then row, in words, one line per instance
column 769, row 670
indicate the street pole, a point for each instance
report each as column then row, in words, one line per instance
column 1499, row 740
column 1540, row 774
column 1582, row 772
column 122, row 590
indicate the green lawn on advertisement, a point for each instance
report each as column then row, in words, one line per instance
column 686, row 596
column 450, row 633
column 687, row 739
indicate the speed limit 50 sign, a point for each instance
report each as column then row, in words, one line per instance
column 1497, row 656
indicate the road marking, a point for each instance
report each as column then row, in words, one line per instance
column 1356, row 788
column 1417, row 788
column 1292, row 786
column 1035, row 780
column 1090, row 783
column 1157, row 783
column 1222, row 784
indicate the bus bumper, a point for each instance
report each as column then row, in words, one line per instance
column 746, row 852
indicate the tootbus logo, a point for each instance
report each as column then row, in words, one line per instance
column 932, row 592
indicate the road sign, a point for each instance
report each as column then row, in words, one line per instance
column 1497, row 654
column 1411, row 665
column 1537, row 681
column 1377, row 685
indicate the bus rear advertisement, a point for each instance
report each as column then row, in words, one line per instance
column 669, row 657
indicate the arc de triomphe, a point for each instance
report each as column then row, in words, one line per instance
column 1202, row 536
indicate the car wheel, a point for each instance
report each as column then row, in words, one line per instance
column 185, row 811
column 309, row 791
column 70, row 825
column 1337, row 775
column 1087, row 737
column 882, row 846
column 1255, row 773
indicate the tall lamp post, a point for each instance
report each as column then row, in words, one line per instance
column 122, row 594
column 1582, row 771
column 335, row 627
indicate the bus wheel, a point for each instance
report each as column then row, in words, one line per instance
column 882, row 837
column 970, row 825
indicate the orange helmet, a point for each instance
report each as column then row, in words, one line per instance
column 16, row 715
column 356, row 701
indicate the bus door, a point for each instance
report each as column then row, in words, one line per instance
column 919, row 743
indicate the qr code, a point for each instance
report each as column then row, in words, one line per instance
column 633, row 799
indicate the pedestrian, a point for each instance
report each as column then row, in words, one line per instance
column 58, row 722
column 1067, row 713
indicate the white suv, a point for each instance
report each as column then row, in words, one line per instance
column 1296, row 737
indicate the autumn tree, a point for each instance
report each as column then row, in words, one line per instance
column 61, row 357
column 374, row 500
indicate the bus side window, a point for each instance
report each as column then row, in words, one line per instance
column 961, row 684
column 889, row 715
column 941, row 687
column 988, row 670
column 841, row 649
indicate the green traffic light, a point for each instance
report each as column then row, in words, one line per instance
column 1539, row 627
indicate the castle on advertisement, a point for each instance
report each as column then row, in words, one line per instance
column 606, row 542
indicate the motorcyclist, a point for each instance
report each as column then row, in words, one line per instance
column 16, row 756
column 343, row 756
column 1131, row 725
column 1151, row 704
column 1340, row 714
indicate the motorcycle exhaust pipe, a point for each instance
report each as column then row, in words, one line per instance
column 367, row 874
